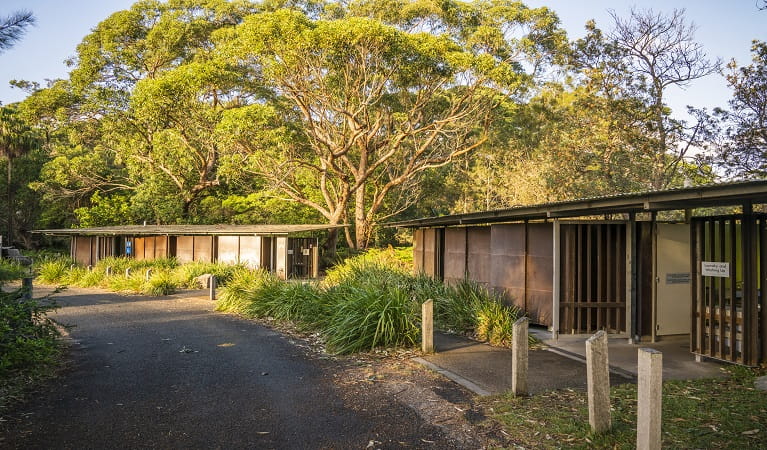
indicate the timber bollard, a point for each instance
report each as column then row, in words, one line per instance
column 649, row 399
column 427, row 326
column 127, row 272
column 212, row 286
column 598, row 382
column 90, row 268
column 26, row 286
column 148, row 274
column 519, row 357
column 108, row 271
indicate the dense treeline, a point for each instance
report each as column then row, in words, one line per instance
column 209, row 111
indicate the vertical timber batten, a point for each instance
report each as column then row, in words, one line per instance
column 556, row 288
column 631, row 275
column 654, row 289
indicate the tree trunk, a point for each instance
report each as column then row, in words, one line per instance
column 10, row 205
column 361, row 224
column 330, row 244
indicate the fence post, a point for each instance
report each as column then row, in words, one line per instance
column 90, row 268
column 598, row 381
column 127, row 272
column 148, row 274
column 427, row 326
column 519, row 357
column 649, row 399
column 108, row 271
column 212, row 286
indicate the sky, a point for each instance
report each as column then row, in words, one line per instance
column 725, row 28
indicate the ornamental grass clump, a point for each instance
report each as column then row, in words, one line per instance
column 160, row 283
column 53, row 270
column 364, row 318
column 243, row 289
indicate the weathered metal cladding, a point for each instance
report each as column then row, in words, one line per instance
column 418, row 250
column 429, row 249
column 228, row 249
column 478, row 260
column 82, row 249
column 185, row 249
column 539, row 273
column 507, row 261
column 250, row 251
column 455, row 255
column 203, row 248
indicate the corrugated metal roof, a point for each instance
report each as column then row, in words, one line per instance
column 720, row 194
column 188, row 230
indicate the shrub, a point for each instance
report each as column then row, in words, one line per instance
column 11, row 270
column 53, row 269
column 186, row 273
column 161, row 283
column 242, row 290
column 363, row 319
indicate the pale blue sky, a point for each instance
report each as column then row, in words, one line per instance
column 725, row 28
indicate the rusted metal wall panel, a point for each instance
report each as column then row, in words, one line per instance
column 507, row 261
column 429, row 243
column 138, row 248
column 185, row 249
column 82, row 251
column 540, row 272
column 455, row 254
column 478, row 261
column 250, row 251
column 418, row 250
column 160, row 247
column 203, row 246
column 228, row 249
column 149, row 247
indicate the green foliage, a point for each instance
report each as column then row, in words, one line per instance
column 11, row 270
column 364, row 319
column 186, row 273
column 28, row 342
column 369, row 301
column 53, row 270
column 708, row 413
column 161, row 283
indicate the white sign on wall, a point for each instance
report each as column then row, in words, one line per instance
column 715, row 269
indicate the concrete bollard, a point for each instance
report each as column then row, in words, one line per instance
column 108, row 271
column 212, row 286
column 148, row 274
column 427, row 326
column 127, row 272
column 598, row 381
column 90, row 268
column 649, row 399
column 519, row 357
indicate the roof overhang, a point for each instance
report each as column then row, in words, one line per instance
column 725, row 194
column 191, row 230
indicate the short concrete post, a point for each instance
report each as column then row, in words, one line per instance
column 71, row 267
column 148, row 274
column 90, row 268
column 427, row 326
column 108, row 271
column 519, row 357
column 598, row 381
column 649, row 399
column 212, row 286
column 127, row 272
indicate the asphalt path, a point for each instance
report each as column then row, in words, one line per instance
column 168, row 372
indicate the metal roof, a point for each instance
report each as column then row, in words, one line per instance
column 722, row 194
column 188, row 230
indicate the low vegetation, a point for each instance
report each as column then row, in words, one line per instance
column 712, row 413
column 371, row 300
column 29, row 347
column 130, row 275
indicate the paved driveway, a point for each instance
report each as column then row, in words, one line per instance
column 170, row 373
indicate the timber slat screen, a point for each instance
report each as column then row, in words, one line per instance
column 726, row 321
column 593, row 278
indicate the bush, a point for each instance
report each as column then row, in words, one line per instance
column 364, row 319
column 186, row 273
column 53, row 270
column 28, row 343
column 12, row 270
column 161, row 283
